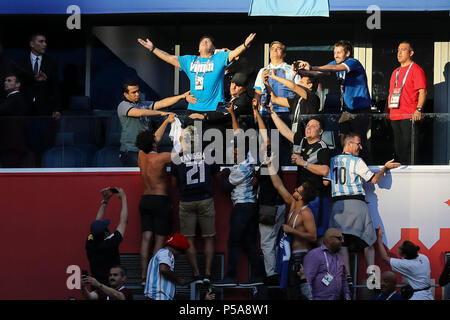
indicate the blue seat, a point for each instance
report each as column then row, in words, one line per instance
column 328, row 138
column 64, row 154
column 109, row 155
column 79, row 105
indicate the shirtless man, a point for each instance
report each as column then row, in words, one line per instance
column 155, row 206
column 302, row 228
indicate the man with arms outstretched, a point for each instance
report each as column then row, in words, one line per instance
column 205, row 71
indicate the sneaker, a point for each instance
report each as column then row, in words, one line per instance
column 143, row 281
column 207, row 279
column 225, row 282
column 252, row 282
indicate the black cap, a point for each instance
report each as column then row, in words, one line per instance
column 239, row 79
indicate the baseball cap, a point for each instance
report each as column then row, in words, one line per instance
column 239, row 79
column 178, row 241
column 99, row 227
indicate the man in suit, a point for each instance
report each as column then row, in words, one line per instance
column 13, row 147
column 40, row 77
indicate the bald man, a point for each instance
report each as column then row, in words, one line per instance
column 388, row 283
column 325, row 270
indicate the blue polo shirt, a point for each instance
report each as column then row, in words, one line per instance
column 213, row 71
column 353, row 84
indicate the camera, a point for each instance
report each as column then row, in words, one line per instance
column 296, row 65
column 113, row 190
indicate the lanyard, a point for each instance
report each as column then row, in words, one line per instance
column 297, row 111
column 404, row 78
column 197, row 62
column 326, row 259
column 390, row 295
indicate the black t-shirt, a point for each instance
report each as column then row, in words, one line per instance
column 194, row 177
column 310, row 105
column 102, row 255
column 267, row 194
column 316, row 153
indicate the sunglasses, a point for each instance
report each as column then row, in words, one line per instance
column 340, row 238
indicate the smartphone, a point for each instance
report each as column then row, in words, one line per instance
column 84, row 273
column 113, row 190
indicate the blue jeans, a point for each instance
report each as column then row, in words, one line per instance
column 243, row 234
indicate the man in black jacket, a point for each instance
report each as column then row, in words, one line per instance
column 40, row 79
column 13, row 146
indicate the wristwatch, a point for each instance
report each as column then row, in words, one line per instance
column 419, row 109
column 305, row 164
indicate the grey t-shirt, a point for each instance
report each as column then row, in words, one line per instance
column 132, row 126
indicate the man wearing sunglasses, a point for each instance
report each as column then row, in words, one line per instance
column 349, row 212
column 324, row 269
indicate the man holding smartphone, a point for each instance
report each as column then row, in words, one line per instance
column 102, row 247
column 116, row 289
column 262, row 94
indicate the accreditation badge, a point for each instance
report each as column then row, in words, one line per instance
column 199, row 82
column 395, row 99
column 326, row 280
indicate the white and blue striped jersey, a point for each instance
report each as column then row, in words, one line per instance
column 282, row 70
column 346, row 174
column 241, row 176
column 156, row 286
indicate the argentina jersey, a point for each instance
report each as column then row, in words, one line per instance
column 157, row 287
column 282, row 70
column 241, row 176
column 346, row 174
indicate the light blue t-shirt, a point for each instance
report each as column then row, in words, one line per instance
column 354, row 85
column 213, row 70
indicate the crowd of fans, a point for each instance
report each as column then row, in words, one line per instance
column 306, row 236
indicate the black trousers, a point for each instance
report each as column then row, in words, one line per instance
column 243, row 234
column 402, row 130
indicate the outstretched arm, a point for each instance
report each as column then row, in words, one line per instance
column 290, row 84
column 278, row 184
column 123, row 220
column 239, row 50
column 169, row 58
column 262, row 127
column 281, row 126
column 162, row 128
column 381, row 248
column 387, row 166
column 167, row 102
column 106, row 196
column 236, row 128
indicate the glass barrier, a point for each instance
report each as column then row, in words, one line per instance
column 94, row 141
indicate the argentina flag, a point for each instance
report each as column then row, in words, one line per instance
column 290, row 8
